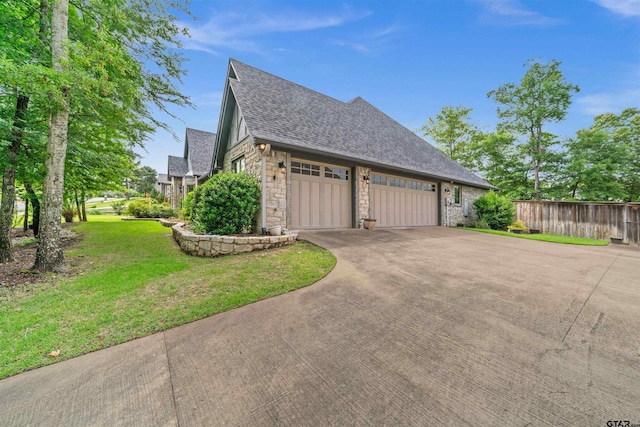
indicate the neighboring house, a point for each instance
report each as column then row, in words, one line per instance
column 325, row 163
column 183, row 172
column 163, row 185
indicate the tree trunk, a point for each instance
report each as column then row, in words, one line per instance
column 35, row 203
column 9, row 178
column 75, row 196
column 49, row 255
column 84, row 207
column 25, row 222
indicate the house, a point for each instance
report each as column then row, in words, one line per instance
column 163, row 185
column 324, row 163
column 183, row 172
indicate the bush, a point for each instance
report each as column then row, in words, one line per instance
column 226, row 204
column 67, row 214
column 118, row 206
column 495, row 210
column 481, row 225
column 190, row 202
column 517, row 225
column 149, row 208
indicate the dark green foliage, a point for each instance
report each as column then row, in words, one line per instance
column 226, row 204
column 149, row 208
column 495, row 210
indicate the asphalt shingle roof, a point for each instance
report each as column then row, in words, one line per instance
column 200, row 150
column 280, row 111
column 177, row 166
column 163, row 179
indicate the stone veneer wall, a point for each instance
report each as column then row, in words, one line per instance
column 363, row 200
column 212, row 246
column 456, row 211
column 276, row 188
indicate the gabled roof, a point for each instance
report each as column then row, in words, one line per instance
column 177, row 167
column 291, row 116
column 198, row 150
column 163, row 179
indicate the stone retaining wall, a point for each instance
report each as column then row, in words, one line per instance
column 211, row 246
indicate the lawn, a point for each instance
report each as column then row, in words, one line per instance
column 131, row 281
column 546, row 237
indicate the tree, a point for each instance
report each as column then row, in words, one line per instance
column 624, row 131
column 543, row 96
column 594, row 166
column 453, row 134
column 49, row 255
column 145, row 179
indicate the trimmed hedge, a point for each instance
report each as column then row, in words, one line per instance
column 149, row 208
column 226, row 204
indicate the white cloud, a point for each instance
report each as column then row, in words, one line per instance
column 238, row 31
column 513, row 12
column 601, row 103
column 625, row 8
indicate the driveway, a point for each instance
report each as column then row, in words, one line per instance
column 423, row 326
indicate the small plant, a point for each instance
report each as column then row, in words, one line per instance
column 496, row 210
column 67, row 214
column 96, row 212
column 516, row 225
column 118, row 206
column 481, row 225
column 226, row 204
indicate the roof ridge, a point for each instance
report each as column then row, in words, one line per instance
column 288, row 81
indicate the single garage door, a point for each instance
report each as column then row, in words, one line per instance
column 320, row 195
column 401, row 201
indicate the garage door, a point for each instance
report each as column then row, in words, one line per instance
column 400, row 201
column 320, row 195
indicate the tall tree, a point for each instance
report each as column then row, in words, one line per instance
column 624, row 131
column 453, row 134
column 543, row 96
column 145, row 179
column 49, row 255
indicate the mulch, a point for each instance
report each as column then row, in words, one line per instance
column 17, row 273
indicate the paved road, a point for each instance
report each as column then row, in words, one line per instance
column 426, row 326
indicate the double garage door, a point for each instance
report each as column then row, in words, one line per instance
column 321, row 197
column 398, row 201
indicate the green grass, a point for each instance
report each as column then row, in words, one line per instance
column 133, row 281
column 546, row 237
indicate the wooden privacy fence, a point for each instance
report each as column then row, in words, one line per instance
column 582, row 219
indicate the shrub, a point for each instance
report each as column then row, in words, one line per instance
column 149, row 208
column 67, row 214
column 226, row 204
column 517, row 225
column 481, row 224
column 118, row 206
column 496, row 210
column 96, row 212
column 190, row 203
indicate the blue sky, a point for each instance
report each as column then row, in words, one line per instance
column 410, row 58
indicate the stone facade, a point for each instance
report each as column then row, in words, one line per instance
column 212, row 246
column 453, row 213
column 363, row 201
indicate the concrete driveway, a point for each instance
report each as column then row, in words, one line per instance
column 424, row 326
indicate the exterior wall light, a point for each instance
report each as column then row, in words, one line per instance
column 262, row 146
column 366, row 178
column 282, row 166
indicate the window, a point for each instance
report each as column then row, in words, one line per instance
column 396, row 182
column 428, row 187
column 413, row 185
column 456, row 194
column 336, row 173
column 305, row 169
column 238, row 165
column 379, row 179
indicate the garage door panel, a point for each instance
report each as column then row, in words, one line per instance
column 320, row 196
column 403, row 206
